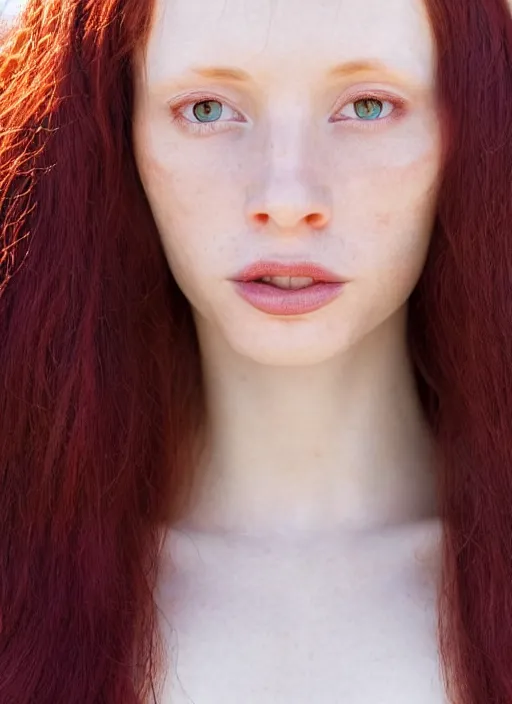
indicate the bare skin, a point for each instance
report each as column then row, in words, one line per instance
column 327, row 620
column 314, row 557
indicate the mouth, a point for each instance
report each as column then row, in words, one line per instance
column 287, row 289
column 287, row 282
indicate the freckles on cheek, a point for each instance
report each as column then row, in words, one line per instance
column 410, row 190
column 390, row 216
column 164, row 188
column 151, row 170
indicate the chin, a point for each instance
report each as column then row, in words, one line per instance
column 286, row 347
column 289, row 358
column 298, row 341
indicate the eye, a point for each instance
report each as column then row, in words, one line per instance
column 204, row 115
column 369, row 108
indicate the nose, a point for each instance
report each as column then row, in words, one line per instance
column 290, row 202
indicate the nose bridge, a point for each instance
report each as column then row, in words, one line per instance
column 288, row 188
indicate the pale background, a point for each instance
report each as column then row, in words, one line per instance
column 9, row 8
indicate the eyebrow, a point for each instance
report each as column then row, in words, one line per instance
column 236, row 75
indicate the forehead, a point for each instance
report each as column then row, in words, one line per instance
column 294, row 36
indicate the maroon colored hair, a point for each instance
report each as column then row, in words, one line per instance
column 101, row 400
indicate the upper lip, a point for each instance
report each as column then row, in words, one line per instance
column 259, row 269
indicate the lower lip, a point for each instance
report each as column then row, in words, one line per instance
column 282, row 301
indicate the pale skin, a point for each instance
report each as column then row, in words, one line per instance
column 309, row 569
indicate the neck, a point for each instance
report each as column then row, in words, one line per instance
column 338, row 445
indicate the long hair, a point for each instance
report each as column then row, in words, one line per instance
column 101, row 398
column 460, row 328
column 99, row 368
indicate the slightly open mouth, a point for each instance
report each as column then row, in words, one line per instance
column 293, row 283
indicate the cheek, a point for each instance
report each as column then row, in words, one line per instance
column 187, row 187
column 184, row 210
column 195, row 204
column 389, row 213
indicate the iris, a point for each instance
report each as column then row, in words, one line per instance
column 207, row 110
column 368, row 109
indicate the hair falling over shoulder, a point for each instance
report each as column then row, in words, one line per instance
column 99, row 365
column 100, row 375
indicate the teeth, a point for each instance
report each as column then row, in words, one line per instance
column 293, row 282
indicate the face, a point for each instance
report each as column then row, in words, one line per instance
column 290, row 131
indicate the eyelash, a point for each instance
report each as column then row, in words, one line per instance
column 398, row 105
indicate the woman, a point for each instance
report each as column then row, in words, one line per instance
column 255, row 313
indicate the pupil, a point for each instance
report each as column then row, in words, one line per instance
column 207, row 110
column 368, row 108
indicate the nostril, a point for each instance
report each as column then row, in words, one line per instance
column 316, row 220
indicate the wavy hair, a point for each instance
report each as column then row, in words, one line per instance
column 101, row 401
